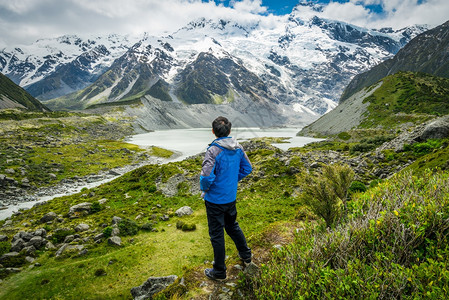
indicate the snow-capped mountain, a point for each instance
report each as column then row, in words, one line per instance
column 50, row 68
column 301, row 62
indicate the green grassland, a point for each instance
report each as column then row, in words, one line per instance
column 263, row 201
column 35, row 145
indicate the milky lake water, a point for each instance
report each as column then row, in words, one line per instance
column 185, row 142
column 188, row 142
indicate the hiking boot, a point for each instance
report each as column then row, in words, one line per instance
column 245, row 261
column 212, row 274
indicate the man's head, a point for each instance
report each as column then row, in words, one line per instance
column 221, row 127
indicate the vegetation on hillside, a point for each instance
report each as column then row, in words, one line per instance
column 17, row 94
column 407, row 97
column 394, row 245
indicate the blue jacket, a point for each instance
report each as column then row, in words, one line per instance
column 224, row 165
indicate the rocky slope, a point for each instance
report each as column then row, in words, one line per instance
column 425, row 53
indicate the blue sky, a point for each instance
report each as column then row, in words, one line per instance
column 25, row 21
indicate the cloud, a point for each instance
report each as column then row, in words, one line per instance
column 24, row 21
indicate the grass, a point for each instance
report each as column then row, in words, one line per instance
column 262, row 202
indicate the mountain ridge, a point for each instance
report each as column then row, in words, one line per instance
column 335, row 52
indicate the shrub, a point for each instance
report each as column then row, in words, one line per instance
column 96, row 207
column 179, row 224
column 100, row 272
column 344, row 136
column 356, row 187
column 60, row 234
column 128, row 227
column 107, row 232
column 393, row 246
column 188, row 227
column 4, row 247
column 325, row 194
column 147, row 227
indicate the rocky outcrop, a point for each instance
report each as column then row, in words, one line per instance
column 435, row 129
column 152, row 286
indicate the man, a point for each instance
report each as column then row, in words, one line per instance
column 224, row 165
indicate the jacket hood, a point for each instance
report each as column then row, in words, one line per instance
column 228, row 143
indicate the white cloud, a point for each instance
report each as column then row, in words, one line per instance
column 24, row 21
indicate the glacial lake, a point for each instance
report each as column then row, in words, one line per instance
column 188, row 142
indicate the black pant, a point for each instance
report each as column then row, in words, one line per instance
column 219, row 216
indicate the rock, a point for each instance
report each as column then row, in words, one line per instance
column 40, row 232
column 251, row 269
column 115, row 231
column 3, row 238
column 82, row 227
column 184, row 211
column 7, row 223
column 102, row 201
column 52, row 176
column 13, row 270
column 37, row 242
column 29, row 259
column 48, row 217
column 80, row 209
column 152, row 286
column 10, row 171
column 49, row 246
column 438, row 129
column 29, row 250
column 8, row 256
column 69, row 238
column 17, row 245
column 66, row 248
column 115, row 241
column 165, row 218
column 116, row 220
column 98, row 237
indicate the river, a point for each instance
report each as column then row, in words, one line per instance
column 184, row 142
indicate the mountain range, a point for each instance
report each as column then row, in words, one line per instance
column 300, row 65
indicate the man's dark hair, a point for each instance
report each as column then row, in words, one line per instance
column 221, row 127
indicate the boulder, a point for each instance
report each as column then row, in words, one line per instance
column 40, row 232
column 49, row 246
column 152, row 286
column 17, row 245
column 184, row 211
column 48, row 217
column 438, row 129
column 3, row 238
column 29, row 250
column 116, row 220
column 82, row 227
column 66, row 248
column 37, row 241
column 115, row 241
column 80, row 209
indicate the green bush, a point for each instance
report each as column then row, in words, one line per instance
column 100, row 272
column 188, row 227
column 60, row 234
column 179, row 224
column 356, row 187
column 107, row 232
column 4, row 247
column 344, row 136
column 128, row 227
column 327, row 193
column 146, row 227
column 96, row 207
